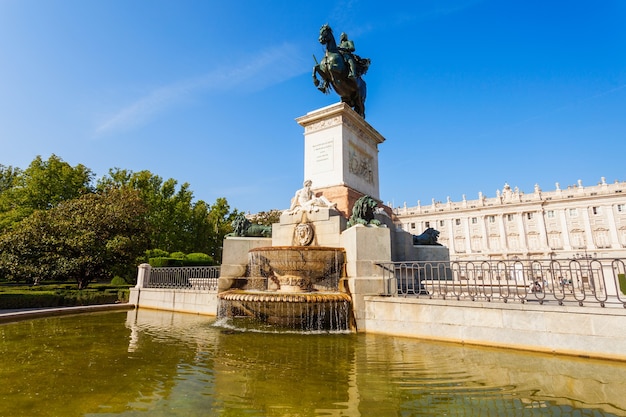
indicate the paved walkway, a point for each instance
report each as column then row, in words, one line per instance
column 9, row 315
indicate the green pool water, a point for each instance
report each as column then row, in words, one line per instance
column 147, row 363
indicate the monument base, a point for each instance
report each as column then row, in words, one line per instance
column 343, row 196
column 341, row 154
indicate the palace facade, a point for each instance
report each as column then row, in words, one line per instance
column 574, row 222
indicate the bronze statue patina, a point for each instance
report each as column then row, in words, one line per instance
column 341, row 70
column 242, row 227
column 429, row 237
column 363, row 212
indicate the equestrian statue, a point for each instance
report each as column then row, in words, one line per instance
column 341, row 70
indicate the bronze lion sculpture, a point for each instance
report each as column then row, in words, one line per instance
column 243, row 227
column 429, row 237
column 363, row 212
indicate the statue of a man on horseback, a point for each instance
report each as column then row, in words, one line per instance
column 346, row 47
column 342, row 70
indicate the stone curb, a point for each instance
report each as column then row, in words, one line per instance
column 19, row 315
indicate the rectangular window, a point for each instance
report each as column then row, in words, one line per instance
column 474, row 220
column 550, row 214
column 427, row 224
column 509, row 217
column 573, row 212
column 595, row 210
column 441, row 223
column 412, row 225
column 457, row 221
column 529, row 216
column 620, row 208
column 492, row 219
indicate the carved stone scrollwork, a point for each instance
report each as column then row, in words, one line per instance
column 323, row 124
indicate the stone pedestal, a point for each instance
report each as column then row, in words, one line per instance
column 432, row 253
column 365, row 246
column 235, row 260
column 327, row 225
column 341, row 155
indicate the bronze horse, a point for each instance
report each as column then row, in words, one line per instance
column 334, row 71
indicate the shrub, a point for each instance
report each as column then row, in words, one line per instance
column 189, row 262
column 117, row 280
column 62, row 297
column 177, row 255
column 199, row 259
column 193, row 259
column 197, row 256
column 162, row 261
column 622, row 283
column 156, row 253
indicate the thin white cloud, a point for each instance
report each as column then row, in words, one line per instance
column 270, row 67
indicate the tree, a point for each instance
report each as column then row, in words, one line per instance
column 220, row 218
column 8, row 177
column 87, row 238
column 10, row 211
column 177, row 223
column 41, row 186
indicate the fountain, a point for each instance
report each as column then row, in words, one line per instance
column 318, row 266
column 296, row 287
column 298, row 268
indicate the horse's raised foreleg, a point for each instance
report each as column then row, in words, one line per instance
column 324, row 86
column 316, row 69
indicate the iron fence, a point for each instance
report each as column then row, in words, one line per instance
column 572, row 281
column 184, row 277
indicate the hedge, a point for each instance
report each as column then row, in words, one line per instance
column 163, row 261
column 62, row 298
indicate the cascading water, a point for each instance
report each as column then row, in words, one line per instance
column 294, row 287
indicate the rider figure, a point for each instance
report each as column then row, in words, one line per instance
column 346, row 47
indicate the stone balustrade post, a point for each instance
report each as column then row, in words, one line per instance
column 143, row 275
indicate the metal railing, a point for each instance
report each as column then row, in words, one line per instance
column 183, row 277
column 566, row 282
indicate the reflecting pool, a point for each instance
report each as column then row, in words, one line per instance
column 148, row 363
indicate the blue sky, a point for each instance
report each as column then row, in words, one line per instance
column 469, row 94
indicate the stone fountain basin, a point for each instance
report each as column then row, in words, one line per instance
column 300, row 268
column 304, row 310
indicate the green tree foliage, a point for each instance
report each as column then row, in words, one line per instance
column 94, row 236
column 220, row 218
column 10, row 210
column 41, row 186
column 8, row 177
column 54, row 223
column 176, row 222
column 169, row 210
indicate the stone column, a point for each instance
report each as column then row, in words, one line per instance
column 591, row 245
column 543, row 232
column 502, row 228
column 523, row 242
column 483, row 225
column 567, row 245
column 451, row 238
column 143, row 276
column 468, row 236
column 612, row 227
